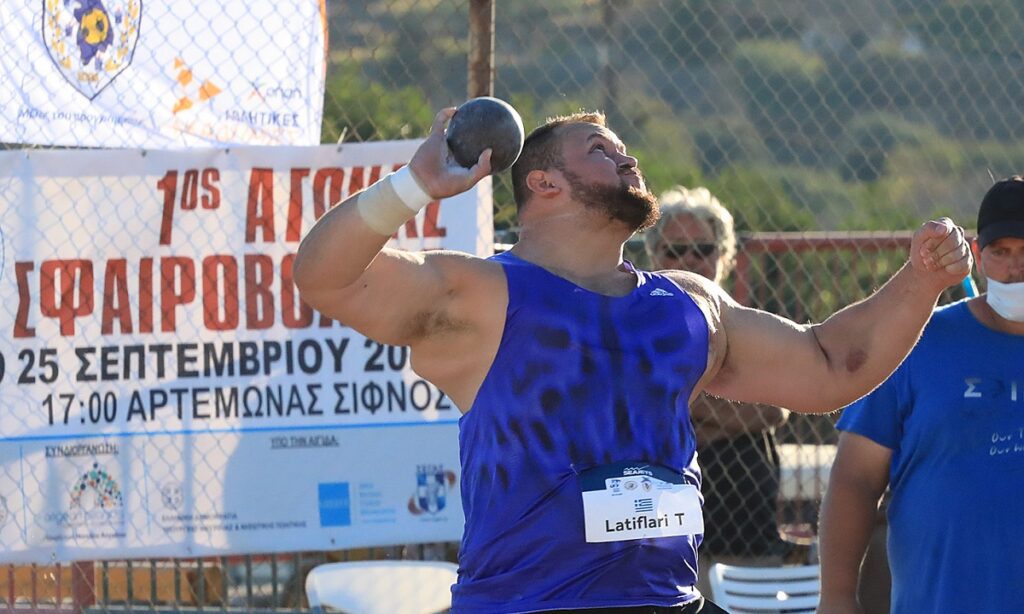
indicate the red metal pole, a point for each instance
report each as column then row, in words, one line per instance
column 83, row 586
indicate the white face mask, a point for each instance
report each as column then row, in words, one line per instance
column 1006, row 299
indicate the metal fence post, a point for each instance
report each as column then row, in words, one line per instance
column 83, row 586
column 609, row 72
column 481, row 48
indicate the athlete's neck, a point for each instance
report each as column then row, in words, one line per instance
column 598, row 268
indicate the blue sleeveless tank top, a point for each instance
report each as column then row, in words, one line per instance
column 580, row 380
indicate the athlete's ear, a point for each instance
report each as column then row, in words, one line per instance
column 545, row 184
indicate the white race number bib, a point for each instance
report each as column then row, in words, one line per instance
column 633, row 500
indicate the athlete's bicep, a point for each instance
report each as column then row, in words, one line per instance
column 770, row 359
column 400, row 295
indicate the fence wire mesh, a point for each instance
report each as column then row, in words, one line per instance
column 849, row 123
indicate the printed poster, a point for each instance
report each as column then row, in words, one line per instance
column 165, row 392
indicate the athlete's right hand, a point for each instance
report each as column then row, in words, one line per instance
column 436, row 169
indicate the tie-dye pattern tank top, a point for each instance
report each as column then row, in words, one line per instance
column 580, row 380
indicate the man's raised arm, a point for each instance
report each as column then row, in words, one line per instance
column 819, row 368
column 342, row 268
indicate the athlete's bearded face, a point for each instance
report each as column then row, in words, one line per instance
column 634, row 206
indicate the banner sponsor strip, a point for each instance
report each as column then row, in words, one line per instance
column 139, row 73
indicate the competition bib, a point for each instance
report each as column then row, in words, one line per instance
column 633, row 500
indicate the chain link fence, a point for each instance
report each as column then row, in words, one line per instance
column 828, row 129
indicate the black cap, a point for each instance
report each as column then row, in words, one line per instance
column 1002, row 212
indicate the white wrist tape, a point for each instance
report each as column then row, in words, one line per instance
column 390, row 202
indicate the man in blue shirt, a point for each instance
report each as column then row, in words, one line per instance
column 946, row 434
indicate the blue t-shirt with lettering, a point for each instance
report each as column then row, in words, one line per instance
column 953, row 416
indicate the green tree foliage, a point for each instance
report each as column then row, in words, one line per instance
column 723, row 141
column 870, row 138
column 965, row 97
column 869, row 115
column 759, row 200
column 366, row 110
column 698, row 31
column 944, row 176
column 880, row 205
column 999, row 159
column 970, row 27
column 779, row 83
column 881, row 77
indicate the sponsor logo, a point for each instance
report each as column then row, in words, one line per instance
column 190, row 91
column 95, row 500
column 335, row 504
column 432, row 485
column 96, row 489
column 266, row 92
column 91, row 42
column 660, row 292
column 172, row 495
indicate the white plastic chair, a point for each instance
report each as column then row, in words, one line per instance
column 381, row 587
column 742, row 590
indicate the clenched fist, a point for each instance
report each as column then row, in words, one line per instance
column 940, row 254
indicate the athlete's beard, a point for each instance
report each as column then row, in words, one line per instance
column 637, row 208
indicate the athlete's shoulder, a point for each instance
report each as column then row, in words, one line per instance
column 461, row 261
column 695, row 285
column 463, row 274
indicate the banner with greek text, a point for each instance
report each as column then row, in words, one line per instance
column 159, row 74
column 165, row 392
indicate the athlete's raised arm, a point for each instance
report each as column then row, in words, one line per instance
column 343, row 270
column 819, row 368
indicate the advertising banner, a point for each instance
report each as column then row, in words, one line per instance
column 160, row 74
column 164, row 390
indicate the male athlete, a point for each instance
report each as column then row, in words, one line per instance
column 574, row 370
